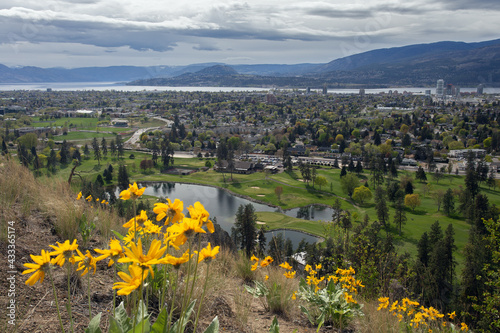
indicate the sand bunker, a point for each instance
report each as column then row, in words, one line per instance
column 258, row 222
column 261, row 195
column 256, row 187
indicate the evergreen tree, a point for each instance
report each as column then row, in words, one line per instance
column 381, row 206
column 359, row 167
column 64, row 153
column 119, row 146
column 123, row 181
column 276, row 248
column 52, row 161
column 246, row 229
column 400, row 214
column 112, row 147
column 423, row 247
column 97, row 151
column 420, row 174
column 448, row 202
column 409, row 188
column 99, row 181
column 261, row 241
column 343, row 171
column 104, row 147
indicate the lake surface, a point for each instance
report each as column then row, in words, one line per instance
column 223, row 205
column 120, row 86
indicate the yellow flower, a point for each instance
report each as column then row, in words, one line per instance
column 97, row 199
column 286, row 265
column 175, row 261
column 198, row 212
column 452, row 315
column 114, row 253
column 85, row 262
column 135, row 254
column 180, row 232
column 464, row 327
column 349, row 298
column 79, row 196
column 290, row 275
column 89, row 198
column 294, row 295
column 63, row 252
column 208, row 253
column 266, row 261
column 133, row 192
column 138, row 221
column 151, row 228
column 103, row 201
column 254, row 258
column 173, row 211
column 39, row 268
column 254, row 266
column 308, row 268
column 267, row 277
column 318, row 267
column 132, row 281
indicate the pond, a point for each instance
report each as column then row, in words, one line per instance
column 223, row 205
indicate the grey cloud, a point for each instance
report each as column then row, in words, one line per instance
column 206, row 48
column 470, row 5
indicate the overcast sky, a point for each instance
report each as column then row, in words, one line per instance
column 78, row 33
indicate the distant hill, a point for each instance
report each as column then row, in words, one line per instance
column 463, row 64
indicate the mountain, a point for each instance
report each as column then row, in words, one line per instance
column 419, row 65
column 463, row 64
column 400, row 54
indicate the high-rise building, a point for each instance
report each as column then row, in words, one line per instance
column 325, row 89
column 479, row 90
column 440, row 88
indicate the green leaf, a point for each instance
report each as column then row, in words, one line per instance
column 275, row 327
column 94, row 324
column 140, row 329
column 114, row 326
column 306, row 312
column 186, row 316
column 122, row 321
column 142, row 313
column 117, row 234
column 214, row 326
column 161, row 322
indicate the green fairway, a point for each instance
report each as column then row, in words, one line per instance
column 281, row 221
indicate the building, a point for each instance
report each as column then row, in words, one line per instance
column 325, row 89
column 440, row 88
column 480, row 89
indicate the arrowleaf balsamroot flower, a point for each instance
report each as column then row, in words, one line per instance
column 208, row 253
column 286, row 266
column 133, row 192
column 138, row 221
column 180, row 232
column 290, row 275
column 39, row 268
column 173, row 211
column 63, row 251
column 136, row 256
column 198, row 212
column 114, row 253
column 79, row 196
column 266, row 261
column 175, row 261
column 86, row 262
column 132, row 281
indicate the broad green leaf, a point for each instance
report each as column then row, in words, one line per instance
column 142, row 312
column 122, row 320
column 114, row 326
column 161, row 322
column 186, row 316
column 214, row 326
column 275, row 326
column 94, row 324
column 140, row 329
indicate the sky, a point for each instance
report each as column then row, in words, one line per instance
column 82, row 33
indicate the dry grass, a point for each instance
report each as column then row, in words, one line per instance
column 22, row 194
column 375, row 321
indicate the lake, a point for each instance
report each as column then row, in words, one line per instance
column 120, row 86
column 223, row 205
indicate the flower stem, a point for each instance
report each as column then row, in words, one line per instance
column 174, row 291
column 114, row 290
column 69, row 298
column 88, row 287
column 202, row 297
column 55, row 297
